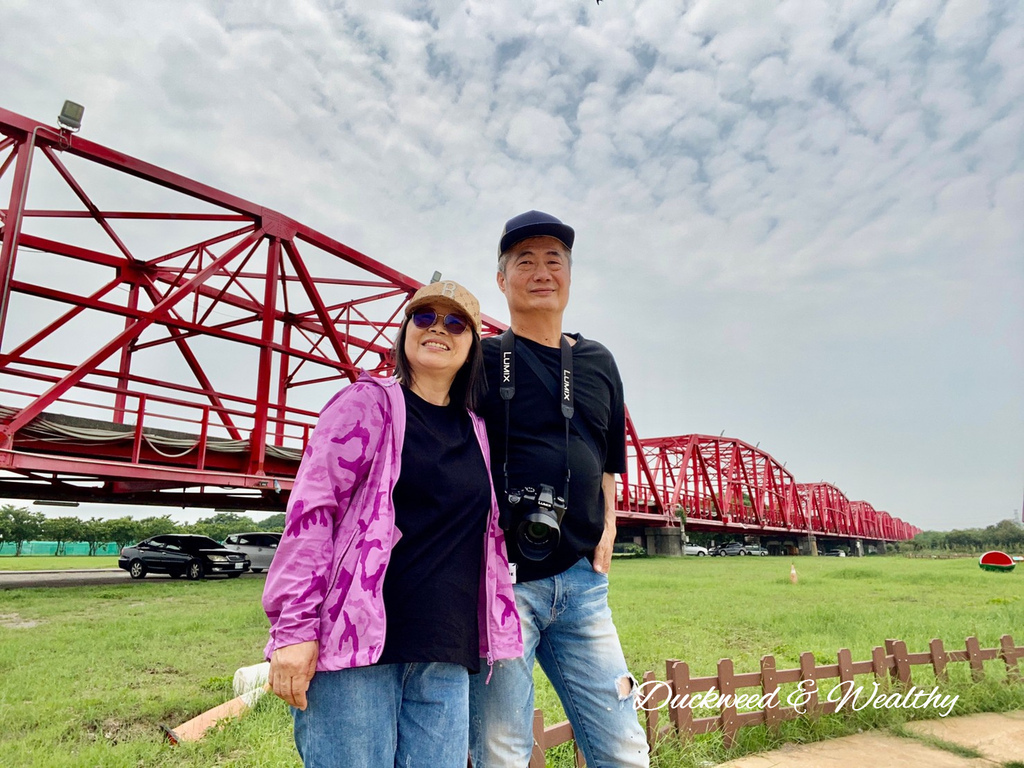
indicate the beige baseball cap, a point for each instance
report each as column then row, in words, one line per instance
column 447, row 293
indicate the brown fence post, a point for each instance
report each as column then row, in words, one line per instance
column 652, row 708
column 879, row 664
column 727, row 688
column 807, row 674
column 1008, row 653
column 537, row 756
column 901, row 664
column 770, row 685
column 939, row 660
column 678, row 676
column 974, row 658
column 844, row 660
column 888, row 664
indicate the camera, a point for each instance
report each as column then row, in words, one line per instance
column 533, row 516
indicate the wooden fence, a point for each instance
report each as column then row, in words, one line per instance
column 891, row 663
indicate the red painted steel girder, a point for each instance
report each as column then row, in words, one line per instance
column 882, row 525
column 723, row 483
column 726, row 484
column 827, row 509
column 869, row 519
column 253, row 305
column 178, row 328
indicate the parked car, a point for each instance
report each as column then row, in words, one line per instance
column 177, row 555
column 756, row 549
column 732, row 548
column 693, row 549
column 260, row 546
column 836, row 553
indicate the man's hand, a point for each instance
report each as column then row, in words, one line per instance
column 603, row 550
column 291, row 669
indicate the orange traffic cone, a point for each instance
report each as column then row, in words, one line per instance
column 792, row 574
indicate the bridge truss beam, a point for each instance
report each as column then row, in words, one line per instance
column 163, row 342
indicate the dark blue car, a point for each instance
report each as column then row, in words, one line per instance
column 178, row 554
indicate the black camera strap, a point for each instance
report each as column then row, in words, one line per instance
column 576, row 423
column 507, row 390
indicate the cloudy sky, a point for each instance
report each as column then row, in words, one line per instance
column 800, row 223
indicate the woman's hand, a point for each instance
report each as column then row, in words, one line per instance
column 291, row 669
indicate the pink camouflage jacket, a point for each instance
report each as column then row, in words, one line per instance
column 326, row 580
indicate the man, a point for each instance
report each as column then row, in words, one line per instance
column 574, row 452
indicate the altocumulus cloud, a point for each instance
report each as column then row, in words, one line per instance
column 799, row 221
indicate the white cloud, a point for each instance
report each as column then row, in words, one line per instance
column 793, row 191
column 536, row 135
column 963, row 24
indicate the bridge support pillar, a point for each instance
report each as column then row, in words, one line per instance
column 808, row 545
column 858, row 548
column 665, row 541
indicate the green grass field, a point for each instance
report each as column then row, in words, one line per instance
column 87, row 675
column 51, row 563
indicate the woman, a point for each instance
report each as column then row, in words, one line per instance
column 391, row 581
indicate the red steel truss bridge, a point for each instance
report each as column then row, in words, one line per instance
column 163, row 342
column 725, row 484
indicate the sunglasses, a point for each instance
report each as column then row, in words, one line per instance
column 425, row 318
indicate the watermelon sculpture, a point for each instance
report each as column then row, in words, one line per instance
column 996, row 561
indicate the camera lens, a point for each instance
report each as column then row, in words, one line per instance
column 536, row 532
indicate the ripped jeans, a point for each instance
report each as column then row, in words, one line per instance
column 567, row 627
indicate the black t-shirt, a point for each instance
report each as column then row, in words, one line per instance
column 442, row 500
column 537, row 442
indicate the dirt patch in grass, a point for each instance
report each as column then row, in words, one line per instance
column 14, row 621
column 115, row 730
column 853, row 573
column 162, row 671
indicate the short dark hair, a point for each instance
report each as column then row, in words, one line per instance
column 469, row 385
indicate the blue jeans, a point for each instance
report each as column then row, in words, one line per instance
column 390, row 715
column 567, row 627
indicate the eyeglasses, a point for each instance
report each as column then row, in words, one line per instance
column 424, row 318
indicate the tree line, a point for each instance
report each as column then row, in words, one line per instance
column 1006, row 535
column 19, row 525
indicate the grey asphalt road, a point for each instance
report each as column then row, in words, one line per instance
column 85, row 578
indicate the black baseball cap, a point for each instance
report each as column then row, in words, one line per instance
column 535, row 224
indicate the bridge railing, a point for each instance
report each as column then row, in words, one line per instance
column 171, row 427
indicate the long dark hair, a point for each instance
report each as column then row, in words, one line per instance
column 469, row 385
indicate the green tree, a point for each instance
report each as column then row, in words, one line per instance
column 272, row 523
column 18, row 525
column 62, row 530
column 122, row 531
column 94, row 533
column 155, row 526
column 931, row 540
column 967, row 540
column 1006, row 534
column 223, row 524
